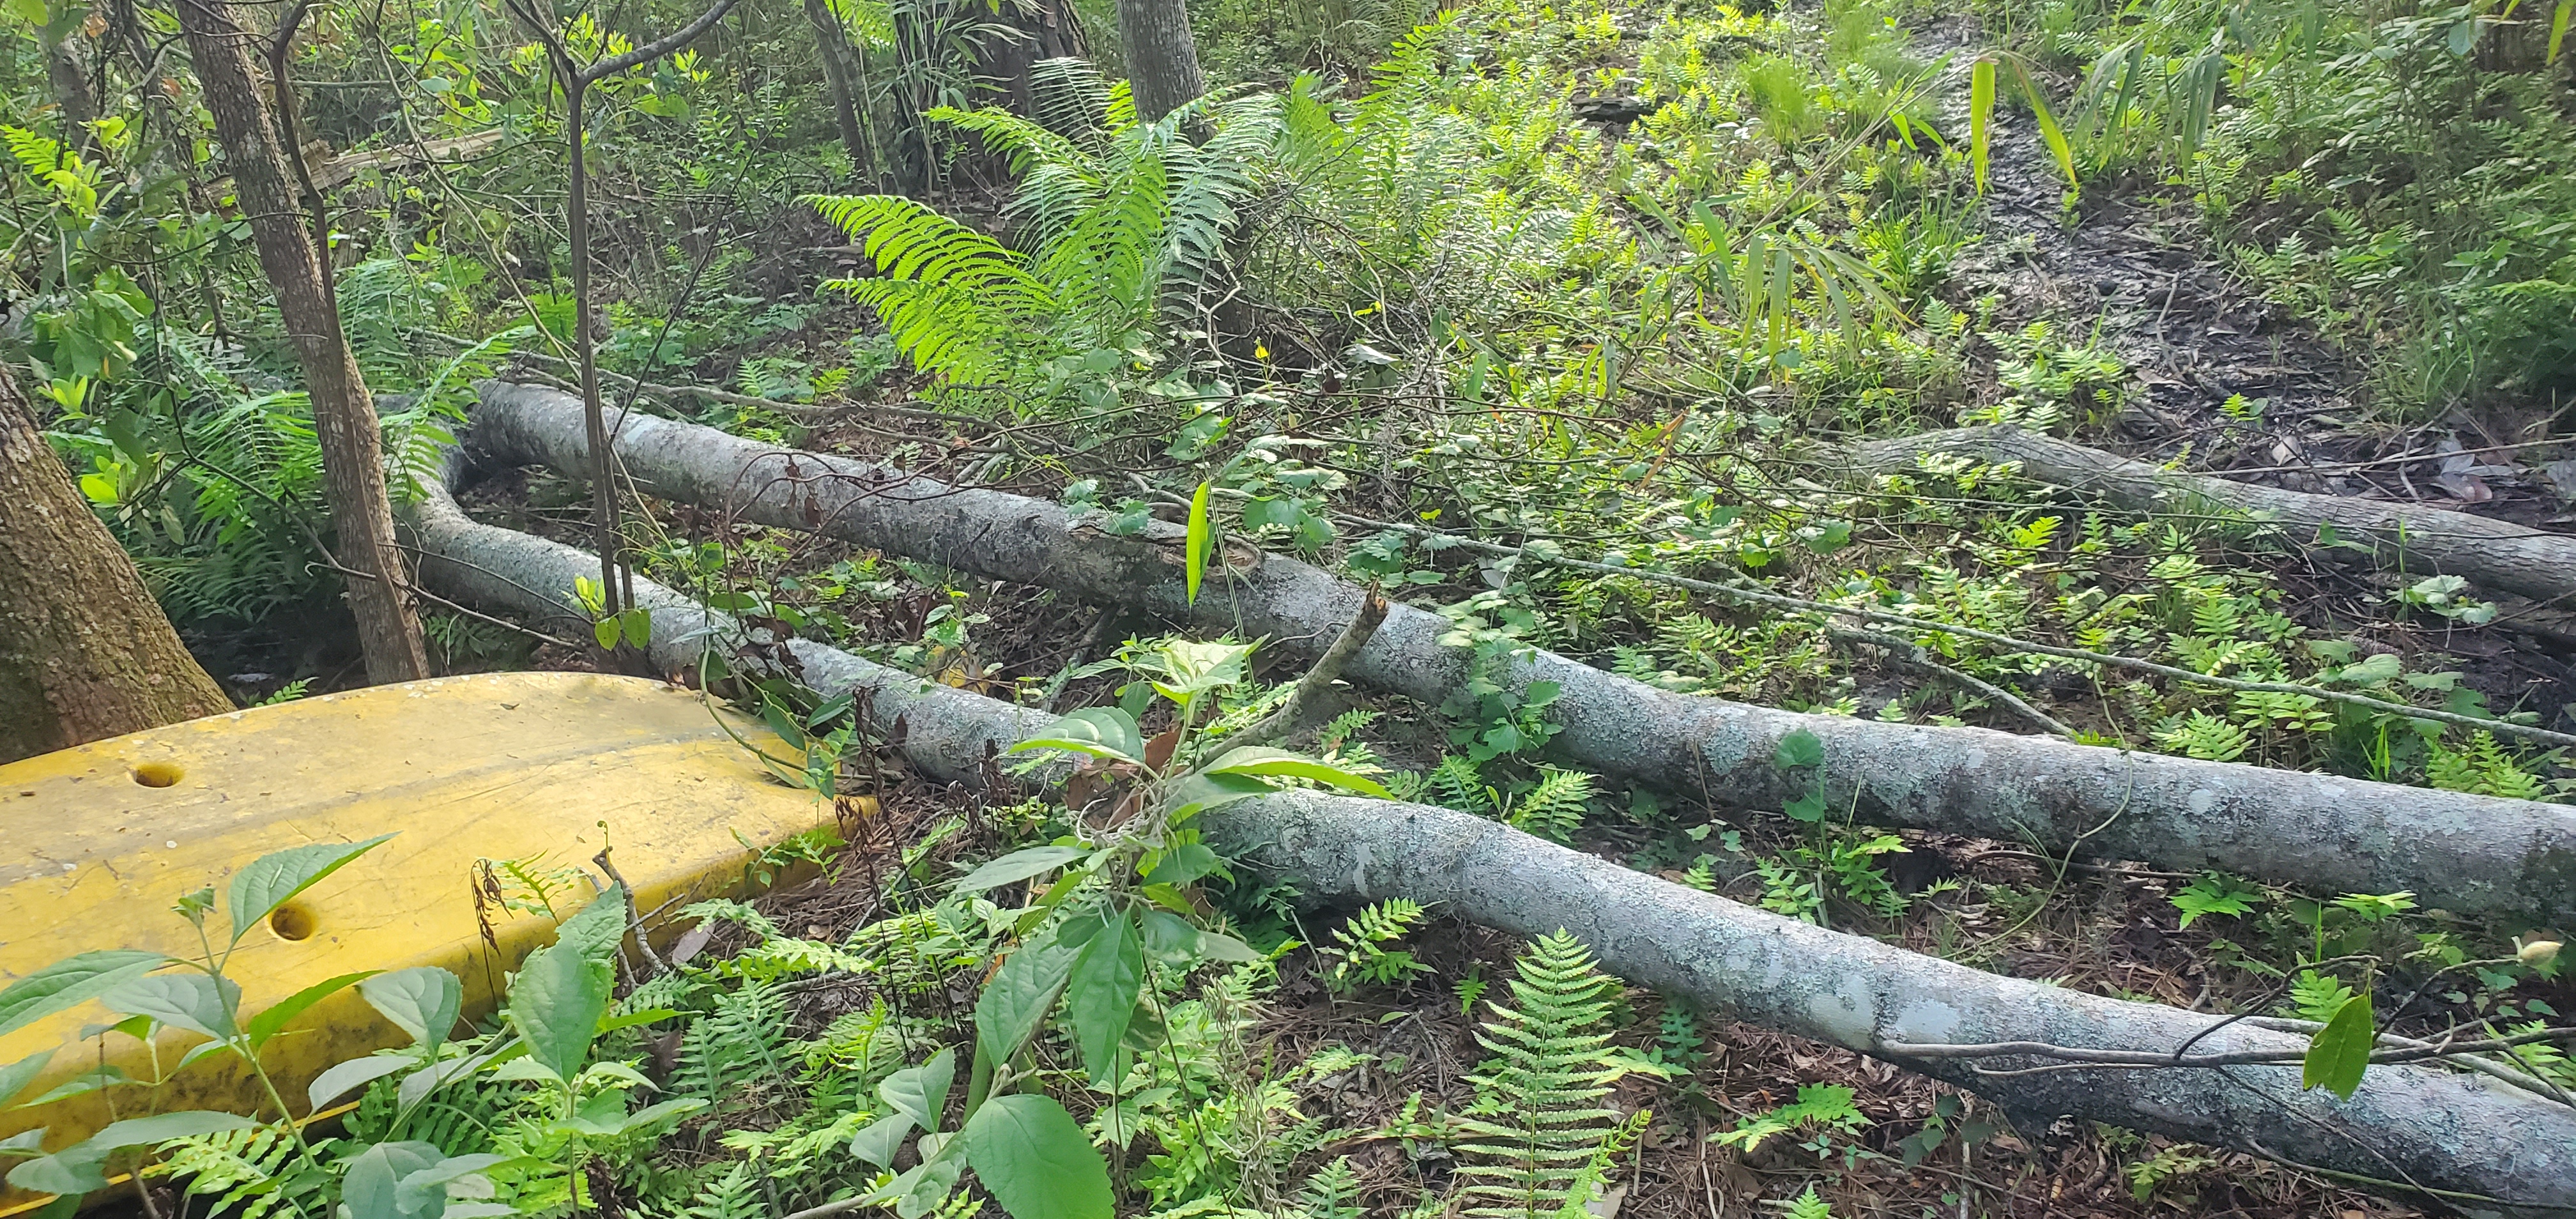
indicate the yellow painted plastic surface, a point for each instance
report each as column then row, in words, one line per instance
column 500, row 766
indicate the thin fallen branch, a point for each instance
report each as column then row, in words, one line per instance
column 1907, row 654
column 2495, row 554
column 2409, row 1126
column 2141, row 1058
column 1316, row 686
column 2324, row 833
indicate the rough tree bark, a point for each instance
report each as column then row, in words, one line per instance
column 948, row 732
column 85, row 654
column 2434, row 1128
column 2495, row 554
column 1162, row 57
column 2328, row 834
column 344, row 416
column 60, row 39
column 832, row 43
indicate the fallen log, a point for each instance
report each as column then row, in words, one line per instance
column 2480, row 1146
column 2493, row 554
column 946, row 732
column 2432, row 1130
column 2464, row 853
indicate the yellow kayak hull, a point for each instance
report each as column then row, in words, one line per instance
column 98, row 842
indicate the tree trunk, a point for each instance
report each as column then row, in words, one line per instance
column 2438, row 1128
column 344, row 417
column 1162, row 60
column 834, row 46
column 2324, row 833
column 2499, row 555
column 69, row 77
column 84, row 652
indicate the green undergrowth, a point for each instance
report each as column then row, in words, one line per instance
column 2399, row 173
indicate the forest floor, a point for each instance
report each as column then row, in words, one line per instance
column 2227, row 382
column 2195, row 339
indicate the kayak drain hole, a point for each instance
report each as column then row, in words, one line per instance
column 291, row 922
column 157, row 774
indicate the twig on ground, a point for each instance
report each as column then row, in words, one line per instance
column 643, row 942
column 1908, row 654
column 1318, row 681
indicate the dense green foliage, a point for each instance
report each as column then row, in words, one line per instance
column 1434, row 298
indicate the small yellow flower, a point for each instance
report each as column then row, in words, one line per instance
column 1260, row 352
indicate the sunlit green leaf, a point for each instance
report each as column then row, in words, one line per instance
column 1036, row 1161
column 274, row 879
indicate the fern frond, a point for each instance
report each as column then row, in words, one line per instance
column 1554, row 808
column 1540, row 1119
column 742, row 1039
column 947, row 293
column 247, row 1173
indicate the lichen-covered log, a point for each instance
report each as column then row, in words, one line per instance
column 2461, row 852
column 2434, row 1128
column 2499, row 555
column 2446, row 1131
column 945, row 731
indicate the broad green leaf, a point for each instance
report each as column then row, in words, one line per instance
column 191, row 1001
column 2558, row 28
column 1218, row 946
column 417, row 1086
column 556, row 1002
column 75, row 1169
column 1256, row 760
column 1101, row 732
column 30, row 11
column 1166, row 933
column 597, row 929
column 921, row 1092
column 1186, row 862
column 878, row 1141
column 162, row 1127
column 274, row 1020
column 345, row 1077
column 423, row 1192
column 1800, row 748
column 1191, row 668
column 2340, row 1051
column 1101, row 993
column 606, row 632
column 1195, row 554
column 920, row 1192
column 1195, row 794
column 18, row 1076
column 274, row 879
column 106, row 1075
column 70, row 982
column 63, row 1172
column 1016, row 1002
column 423, row 1001
column 1018, row 866
column 636, row 625
column 1036, row 1161
column 1981, row 115
column 373, row 1187
column 23, row 1143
